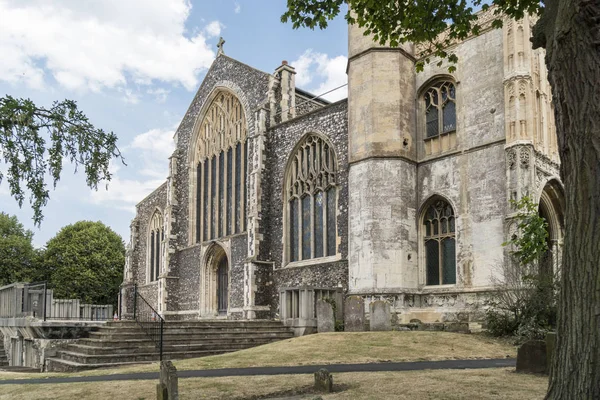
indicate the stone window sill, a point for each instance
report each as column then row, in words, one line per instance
column 313, row 261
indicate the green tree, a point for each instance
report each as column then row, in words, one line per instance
column 17, row 255
column 569, row 30
column 524, row 304
column 34, row 142
column 85, row 261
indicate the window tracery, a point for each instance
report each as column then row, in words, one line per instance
column 311, row 201
column 221, row 165
column 439, row 226
column 440, row 117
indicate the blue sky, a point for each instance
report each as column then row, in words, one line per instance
column 133, row 66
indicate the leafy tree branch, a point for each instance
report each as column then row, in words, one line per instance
column 34, row 142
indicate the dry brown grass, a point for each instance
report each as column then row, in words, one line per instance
column 441, row 384
column 334, row 348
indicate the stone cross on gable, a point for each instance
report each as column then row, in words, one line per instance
column 220, row 46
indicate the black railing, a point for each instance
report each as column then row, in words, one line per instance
column 150, row 321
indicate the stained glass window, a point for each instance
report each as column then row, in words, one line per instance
column 440, row 109
column 221, row 148
column 331, row 225
column 238, row 186
column 155, row 238
column 206, row 202
column 311, row 199
column 221, row 218
column 318, row 224
column 229, row 190
column 306, row 228
column 294, row 230
column 213, row 196
column 440, row 244
column 198, row 200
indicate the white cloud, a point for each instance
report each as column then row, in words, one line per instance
column 160, row 95
column 322, row 73
column 149, row 153
column 92, row 45
column 238, row 8
column 130, row 97
column 213, row 29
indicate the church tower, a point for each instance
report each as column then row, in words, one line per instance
column 383, row 174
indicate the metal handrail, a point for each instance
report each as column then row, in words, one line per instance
column 149, row 320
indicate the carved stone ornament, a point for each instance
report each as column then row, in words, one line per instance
column 524, row 158
column 511, row 158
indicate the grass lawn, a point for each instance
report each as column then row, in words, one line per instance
column 501, row 383
column 334, row 348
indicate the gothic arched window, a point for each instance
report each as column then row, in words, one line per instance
column 221, row 163
column 439, row 226
column 440, row 117
column 311, row 201
column 156, row 236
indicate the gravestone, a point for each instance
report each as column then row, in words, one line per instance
column 381, row 319
column 531, row 358
column 354, row 314
column 323, row 381
column 167, row 388
column 325, row 317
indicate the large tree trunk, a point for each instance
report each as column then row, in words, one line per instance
column 572, row 38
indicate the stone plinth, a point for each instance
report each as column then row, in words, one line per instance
column 381, row 319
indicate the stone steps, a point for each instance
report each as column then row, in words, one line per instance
column 3, row 357
column 185, row 336
column 124, row 342
column 167, row 347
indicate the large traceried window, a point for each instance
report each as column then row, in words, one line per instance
column 311, row 201
column 440, row 117
column 439, row 226
column 156, row 235
column 221, row 164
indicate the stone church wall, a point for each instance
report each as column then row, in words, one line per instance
column 250, row 86
column 330, row 121
column 156, row 200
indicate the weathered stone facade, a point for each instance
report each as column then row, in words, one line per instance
column 372, row 167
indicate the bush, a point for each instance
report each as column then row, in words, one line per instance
column 524, row 305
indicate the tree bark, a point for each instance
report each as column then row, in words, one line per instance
column 572, row 39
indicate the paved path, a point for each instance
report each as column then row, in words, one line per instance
column 303, row 369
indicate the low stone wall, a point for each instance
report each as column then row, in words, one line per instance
column 29, row 342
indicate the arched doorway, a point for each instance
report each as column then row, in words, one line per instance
column 222, row 286
column 214, row 290
column 551, row 208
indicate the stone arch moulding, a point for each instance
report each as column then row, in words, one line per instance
column 422, row 268
column 552, row 208
column 552, row 198
column 433, row 80
column 232, row 89
column 212, row 254
column 220, row 86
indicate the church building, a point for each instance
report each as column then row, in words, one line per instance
column 401, row 192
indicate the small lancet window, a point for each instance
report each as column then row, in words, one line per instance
column 440, row 244
column 311, row 201
column 155, row 238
